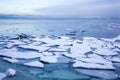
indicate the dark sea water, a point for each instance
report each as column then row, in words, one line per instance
column 73, row 28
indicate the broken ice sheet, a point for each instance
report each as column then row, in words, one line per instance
column 33, row 47
column 20, row 55
column 55, row 59
column 11, row 60
column 87, row 65
column 105, row 51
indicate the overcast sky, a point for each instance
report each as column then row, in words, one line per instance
column 62, row 8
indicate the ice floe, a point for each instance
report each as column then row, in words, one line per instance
column 33, row 47
column 95, row 60
column 11, row 60
column 81, row 64
column 80, row 48
column 35, row 64
column 88, row 53
column 105, row 51
column 9, row 73
column 49, row 59
column 20, row 55
column 2, row 75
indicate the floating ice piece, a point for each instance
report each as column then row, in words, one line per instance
column 14, row 42
column 101, row 61
column 94, row 56
column 34, row 64
column 2, row 75
column 94, row 42
column 105, row 51
column 80, row 48
column 45, row 39
column 49, row 59
column 103, row 74
column 39, row 48
column 47, row 53
column 60, row 41
column 57, row 50
column 22, row 55
column 55, row 59
column 116, row 59
column 92, row 65
column 10, row 72
column 73, row 55
column 11, row 60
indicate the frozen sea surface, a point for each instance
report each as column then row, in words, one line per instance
column 36, row 55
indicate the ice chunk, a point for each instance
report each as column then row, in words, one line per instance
column 11, row 60
column 55, row 59
column 10, row 72
column 39, row 48
column 22, row 55
column 94, row 56
column 116, row 59
column 35, row 64
column 93, row 42
column 73, row 55
column 49, row 59
column 95, row 60
column 14, row 42
column 47, row 53
column 92, row 65
column 80, row 48
column 57, row 50
column 2, row 75
column 103, row 74
column 105, row 51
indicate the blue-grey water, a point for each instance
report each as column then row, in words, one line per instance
column 96, row 28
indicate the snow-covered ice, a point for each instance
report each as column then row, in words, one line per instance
column 2, row 75
column 10, row 72
column 90, row 52
column 49, row 59
column 33, row 47
column 105, row 51
column 11, row 60
column 80, row 64
column 20, row 55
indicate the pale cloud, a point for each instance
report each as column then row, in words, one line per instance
column 61, row 7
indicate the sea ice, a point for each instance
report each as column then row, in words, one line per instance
column 10, row 72
column 95, row 60
column 2, row 75
column 73, row 55
column 11, row 60
column 49, row 59
column 105, row 51
column 22, row 55
column 80, row 64
column 80, row 48
column 39, row 48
